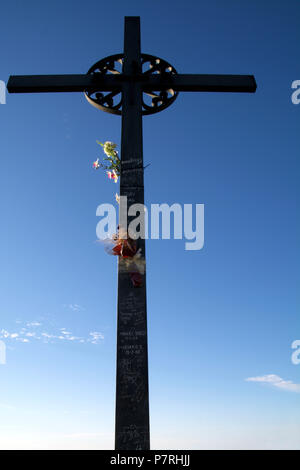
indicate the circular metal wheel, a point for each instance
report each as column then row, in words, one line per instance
column 111, row 102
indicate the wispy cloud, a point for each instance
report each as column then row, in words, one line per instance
column 276, row 381
column 33, row 323
column 6, row 334
column 64, row 332
column 95, row 337
column 35, row 331
column 23, row 340
column 74, row 307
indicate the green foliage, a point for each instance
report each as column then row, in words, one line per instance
column 112, row 157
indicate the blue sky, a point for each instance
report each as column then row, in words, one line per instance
column 217, row 316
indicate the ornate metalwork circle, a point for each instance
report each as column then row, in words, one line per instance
column 111, row 102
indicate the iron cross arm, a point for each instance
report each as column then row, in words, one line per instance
column 154, row 82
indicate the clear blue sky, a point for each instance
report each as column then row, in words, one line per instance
column 217, row 316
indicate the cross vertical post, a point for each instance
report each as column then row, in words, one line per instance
column 132, row 395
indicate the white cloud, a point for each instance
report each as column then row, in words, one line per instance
column 96, row 337
column 34, row 323
column 75, row 307
column 61, row 334
column 276, row 381
column 4, row 334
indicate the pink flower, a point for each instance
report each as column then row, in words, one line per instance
column 96, row 164
column 112, row 175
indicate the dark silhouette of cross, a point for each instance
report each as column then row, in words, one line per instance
column 144, row 85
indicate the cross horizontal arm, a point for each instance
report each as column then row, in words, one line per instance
column 154, row 82
column 57, row 83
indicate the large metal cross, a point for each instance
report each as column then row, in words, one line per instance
column 131, row 85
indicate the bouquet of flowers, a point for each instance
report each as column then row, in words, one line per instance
column 113, row 167
column 131, row 260
column 121, row 244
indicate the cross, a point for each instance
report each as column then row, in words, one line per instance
column 145, row 85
